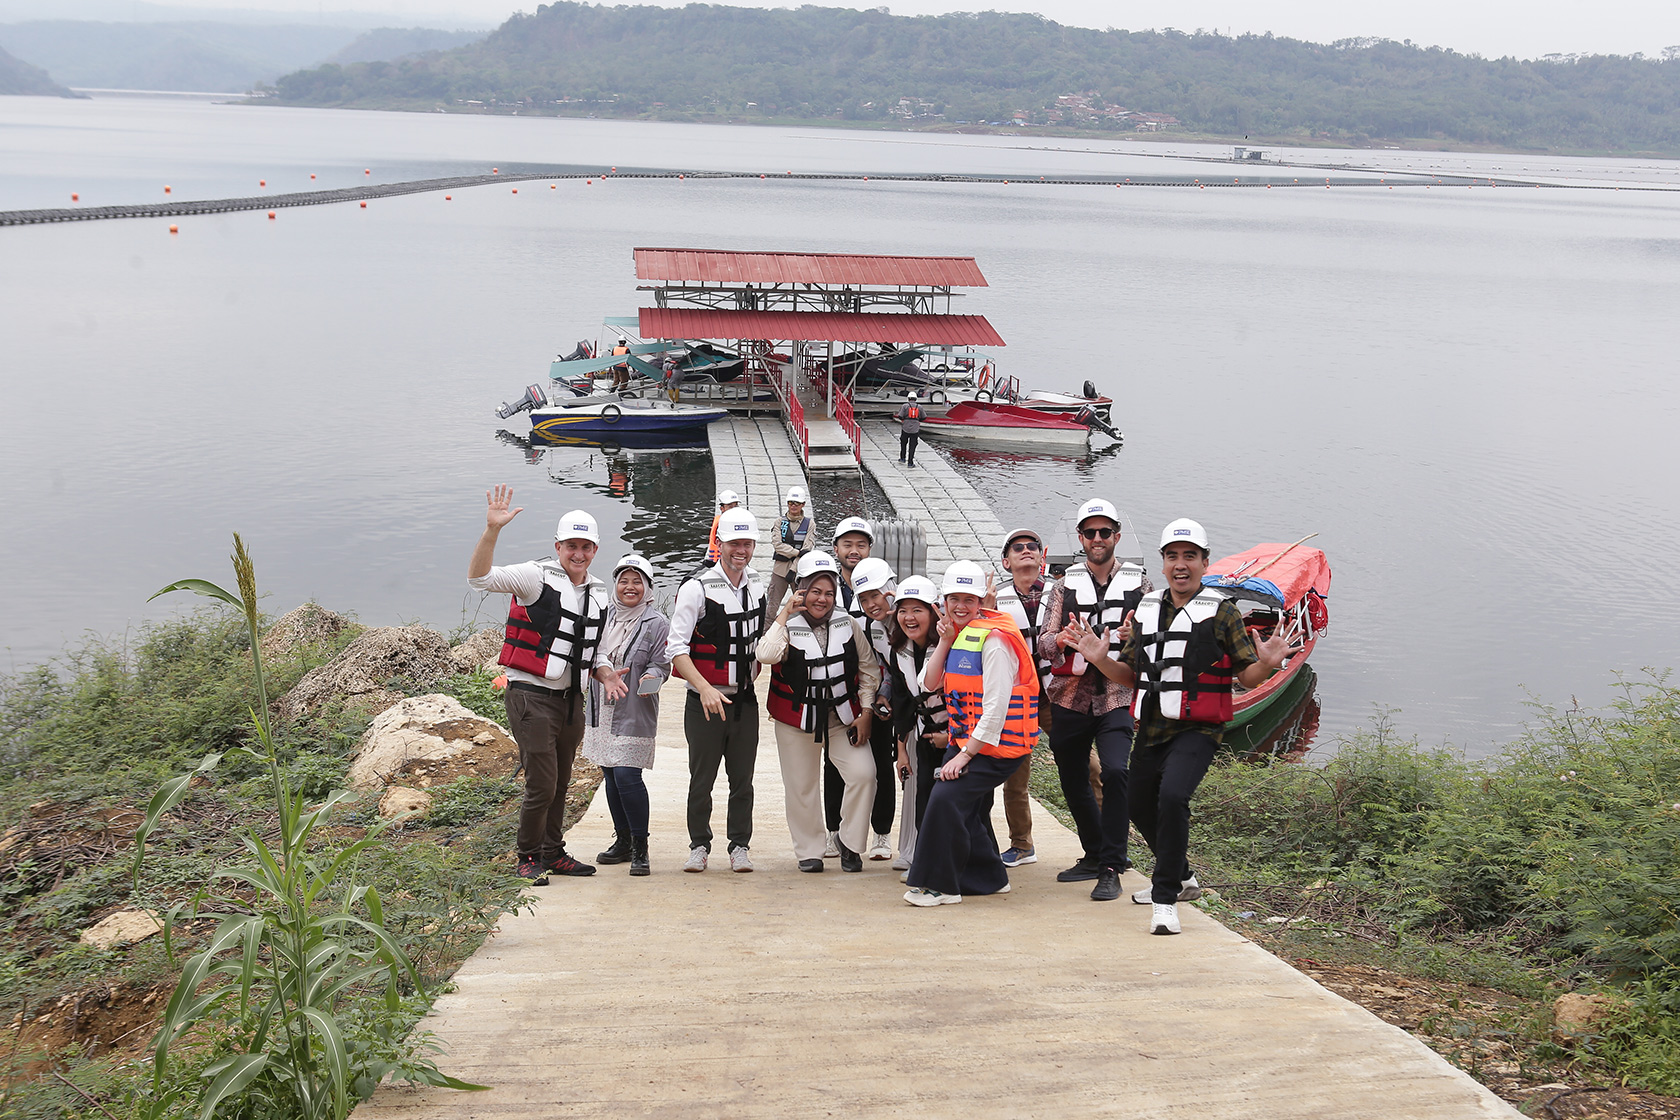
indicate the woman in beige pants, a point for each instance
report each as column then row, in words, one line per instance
column 821, row 692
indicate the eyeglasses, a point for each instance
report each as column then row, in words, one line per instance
column 1023, row 546
column 1097, row 534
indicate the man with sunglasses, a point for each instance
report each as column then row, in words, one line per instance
column 1088, row 709
column 1022, row 598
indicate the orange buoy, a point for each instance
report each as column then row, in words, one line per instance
column 495, row 171
column 515, row 190
column 74, row 197
column 312, row 174
column 866, row 178
column 367, row 171
column 761, row 176
column 553, row 186
column 364, row 206
column 679, row 176
column 166, row 190
column 449, row 198
column 271, row 214
column 615, row 169
column 262, row 182
column 589, row 182
column 174, row 229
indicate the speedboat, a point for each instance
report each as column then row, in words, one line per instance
column 607, row 414
column 1008, row 425
column 1280, row 588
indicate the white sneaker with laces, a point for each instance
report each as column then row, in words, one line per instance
column 880, row 847
column 739, row 860
column 1188, row 891
column 696, row 860
column 921, row 896
column 833, row 849
column 1165, row 918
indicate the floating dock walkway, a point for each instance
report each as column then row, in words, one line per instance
column 780, row 994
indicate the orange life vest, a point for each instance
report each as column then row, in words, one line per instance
column 965, row 686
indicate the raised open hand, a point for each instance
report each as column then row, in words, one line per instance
column 1093, row 645
column 1071, row 634
column 498, row 514
column 1275, row 650
column 613, row 683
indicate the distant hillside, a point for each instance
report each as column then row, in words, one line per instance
column 198, row 56
column 712, row 62
column 384, row 44
column 17, row 77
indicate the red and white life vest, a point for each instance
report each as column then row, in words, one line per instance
column 726, row 633
column 931, row 718
column 816, row 681
column 559, row 632
column 1079, row 597
column 1009, row 601
column 1183, row 666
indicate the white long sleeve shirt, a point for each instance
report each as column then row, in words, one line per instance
column 685, row 616
column 773, row 647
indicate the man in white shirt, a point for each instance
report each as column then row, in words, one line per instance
column 715, row 626
column 552, row 642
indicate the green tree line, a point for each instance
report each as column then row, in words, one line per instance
column 709, row 61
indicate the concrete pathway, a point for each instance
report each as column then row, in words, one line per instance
column 960, row 524
column 781, row 995
column 755, row 458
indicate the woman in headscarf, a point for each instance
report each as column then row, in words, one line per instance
column 823, row 679
column 624, row 708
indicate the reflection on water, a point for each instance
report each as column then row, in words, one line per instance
column 1288, row 729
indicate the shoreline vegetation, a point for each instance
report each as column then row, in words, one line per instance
column 870, row 69
column 1518, row 914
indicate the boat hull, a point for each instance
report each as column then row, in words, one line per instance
column 603, row 421
column 1025, row 438
column 1254, row 703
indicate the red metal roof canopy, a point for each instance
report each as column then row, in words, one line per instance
column 724, row 266
column 818, row 326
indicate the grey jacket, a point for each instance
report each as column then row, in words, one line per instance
column 905, row 424
column 636, row 716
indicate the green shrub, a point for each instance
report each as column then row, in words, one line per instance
column 475, row 693
column 469, row 800
column 1641, row 1040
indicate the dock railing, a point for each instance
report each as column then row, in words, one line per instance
column 781, row 377
column 848, row 423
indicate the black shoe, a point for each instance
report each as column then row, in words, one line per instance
column 849, row 860
column 1083, row 871
column 619, row 852
column 564, row 864
column 1108, row 886
column 638, row 856
column 810, row 865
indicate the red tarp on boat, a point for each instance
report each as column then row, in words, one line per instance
column 1301, row 570
column 1000, row 416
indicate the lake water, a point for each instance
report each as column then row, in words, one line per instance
column 1470, row 394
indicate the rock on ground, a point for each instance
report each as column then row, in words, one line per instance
column 361, row 672
column 398, row 800
column 308, row 625
column 123, row 926
column 478, row 652
column 430, row 738
column 1574, row 1013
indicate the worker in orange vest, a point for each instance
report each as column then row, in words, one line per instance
column 621, row 373
column 909, row 429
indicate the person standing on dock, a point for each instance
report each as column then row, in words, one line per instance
column 822, row 695
column 715, row 627
column 621, row 372
column 551, row 648
column 1087, row 708
column 909, row 429
column 1022, row 598
column 793, row 540
column 990, row 683
column 1184, row 649
column 853, row 542
column 727, row 500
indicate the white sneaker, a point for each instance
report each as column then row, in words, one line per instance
column 696, row 860
column 1188, row 891
column 1003, row 889
column 1165, row 918
column 739, row 860
column 905, row 877
column 880, row 847
column 833, row 849
column 899, row 863
column 921, row 896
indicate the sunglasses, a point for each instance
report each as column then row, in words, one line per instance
column 1096, row 534
column 1023, row 546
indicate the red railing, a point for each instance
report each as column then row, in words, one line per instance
column 782, row 378
column 848, row 423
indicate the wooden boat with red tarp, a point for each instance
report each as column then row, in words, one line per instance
column 1006, row 425
column 1280, row 588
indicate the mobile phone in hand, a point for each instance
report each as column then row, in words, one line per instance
column 647, row 686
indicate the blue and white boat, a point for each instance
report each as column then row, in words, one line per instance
column 607, row 414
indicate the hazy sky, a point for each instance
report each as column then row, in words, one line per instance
column 1525, row 30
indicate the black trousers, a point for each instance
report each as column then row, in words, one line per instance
column 1163, row 781
column 1102, row 831
column 956, row 849
column 928, row 759
column 732, row 742
column 907, row 446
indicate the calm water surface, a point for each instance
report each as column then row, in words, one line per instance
column 1468, row 393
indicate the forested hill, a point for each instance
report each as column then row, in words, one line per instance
column 20, row 77
column 707, row 62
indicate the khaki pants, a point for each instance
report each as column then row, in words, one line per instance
column 1017, row 806
column 548, row 726
column 802, row 764
column 777, row 591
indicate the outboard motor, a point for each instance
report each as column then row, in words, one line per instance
column 582, row 351
column 1088, row 417
column 533, row 398
column 1091, row 393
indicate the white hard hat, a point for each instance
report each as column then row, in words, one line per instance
column 964, row 577
column 917, row 587
column 639, row 563
column 725, row 497
column 737, row 525
column 814, row 563
column 577, row 525
column 797, row 494
column 911, row 395
column 872, row 574
column 1184, row 529
column 1096, row 507
column 854, row 525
